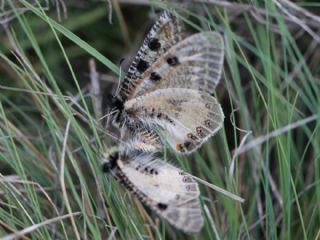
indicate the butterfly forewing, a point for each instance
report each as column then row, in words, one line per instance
column 185, row 118
column 195, row 62
column 164, row 34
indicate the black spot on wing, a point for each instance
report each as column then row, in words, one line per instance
column 142, row 66
column 173, row 61
column 155, row 77
column 162, row 206
column 154, row 44
column 187, row 144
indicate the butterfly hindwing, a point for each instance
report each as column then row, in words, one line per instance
column 163, row 35
column 185, row 118
column 195, row 62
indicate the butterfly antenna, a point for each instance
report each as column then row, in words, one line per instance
column 107, row 115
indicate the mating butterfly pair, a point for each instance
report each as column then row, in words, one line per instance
column 166, row 98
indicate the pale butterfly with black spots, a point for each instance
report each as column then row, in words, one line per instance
column 166, row 189
column 168, row 87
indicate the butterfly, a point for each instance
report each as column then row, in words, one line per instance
column 166, row 189
column 167, row 89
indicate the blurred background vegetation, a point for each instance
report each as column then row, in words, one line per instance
column 51, row 185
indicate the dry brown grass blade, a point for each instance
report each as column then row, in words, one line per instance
column 123, row 25
column 62, row 181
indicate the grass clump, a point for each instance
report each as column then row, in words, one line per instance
column 51, row 185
